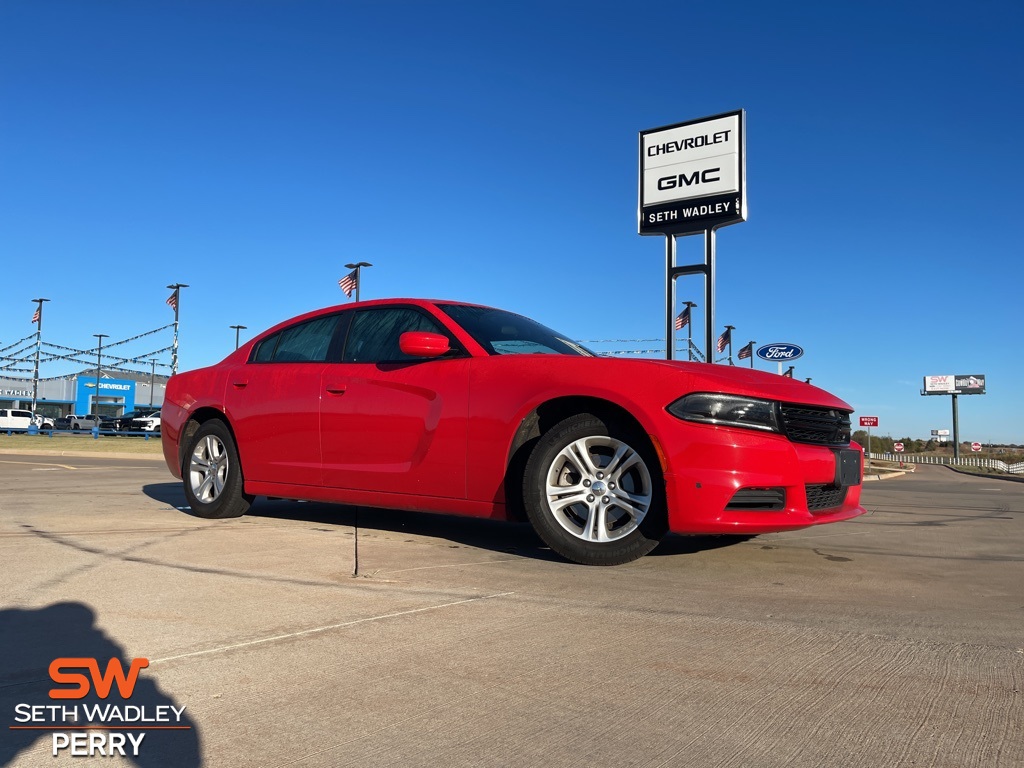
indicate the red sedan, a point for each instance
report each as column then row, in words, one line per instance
column 448, row 407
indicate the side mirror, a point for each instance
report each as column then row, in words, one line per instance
column 423, row 344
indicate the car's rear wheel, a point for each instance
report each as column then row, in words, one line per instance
column 212, row 474
column 593, row 491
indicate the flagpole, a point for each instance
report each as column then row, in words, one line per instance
column 689, row 331
column 39, row 339
column 357, row 267
column 729, row 329
column 176, row 287
column 751, row 345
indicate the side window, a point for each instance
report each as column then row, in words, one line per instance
column 304, row 343
column 373, row 337
column 265, row 351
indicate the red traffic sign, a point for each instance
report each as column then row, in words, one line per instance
column 898, row 447
column 975, row 447
column 869, row 421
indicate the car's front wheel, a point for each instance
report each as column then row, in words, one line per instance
column 212, row 474
column 593, row 491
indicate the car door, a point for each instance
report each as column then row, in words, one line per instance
column 391, row 422
column 273, row 403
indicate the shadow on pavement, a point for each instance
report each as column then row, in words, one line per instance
column 493, row 535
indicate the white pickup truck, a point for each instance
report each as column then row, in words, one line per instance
column 11, row 418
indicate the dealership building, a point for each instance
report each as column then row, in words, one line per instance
column 78, row 394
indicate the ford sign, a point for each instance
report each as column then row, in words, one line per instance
column 780, row 353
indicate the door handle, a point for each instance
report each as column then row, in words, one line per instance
column 336, row 389
column 239, row 384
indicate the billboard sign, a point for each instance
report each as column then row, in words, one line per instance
column 970, row 384
column 693, row 175
column 960, row 384
column 869, row 421
column 940, row 432
column 939, row 385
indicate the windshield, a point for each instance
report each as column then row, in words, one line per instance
column 505, row 333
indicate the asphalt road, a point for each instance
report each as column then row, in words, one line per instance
column 896, row 639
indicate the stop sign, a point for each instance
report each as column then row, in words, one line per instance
column 975, row 447
column 898, row 447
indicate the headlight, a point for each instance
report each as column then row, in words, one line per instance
column 727, row 411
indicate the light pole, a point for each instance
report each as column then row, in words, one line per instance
column 175, row 301
column 39, row 336
column 239, row 328
column 99, row 368
column 357, row 267
column 152, row 382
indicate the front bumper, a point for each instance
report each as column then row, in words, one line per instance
column 712, row 474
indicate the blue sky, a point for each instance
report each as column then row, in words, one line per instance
column 488, row 152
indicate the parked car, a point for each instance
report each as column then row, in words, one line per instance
column 12, row 418
column 62, row 422
column 123, row 423
column 448, row 407
column 85, row 422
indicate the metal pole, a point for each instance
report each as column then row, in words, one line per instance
column 39, row 339
column 752, row 342
column 152, row 382
column 239, row 328
column 359, row 280
column 709, row 295
column 99, row 369
column 956, row 430
column 689, row 330
column 729, row 329
column 670, row 296
column 176, row 287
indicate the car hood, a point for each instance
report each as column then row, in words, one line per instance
column 708, row 377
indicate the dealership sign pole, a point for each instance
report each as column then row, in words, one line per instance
column 693, row 180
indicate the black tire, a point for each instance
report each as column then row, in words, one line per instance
column 612, row 508
column 212, row 474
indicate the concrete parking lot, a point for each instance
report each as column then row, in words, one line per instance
column 311, row 635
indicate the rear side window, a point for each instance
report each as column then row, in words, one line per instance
column 306, row 342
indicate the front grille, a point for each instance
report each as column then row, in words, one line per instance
column 758, row 500
column 822, row 426
column 820, row 497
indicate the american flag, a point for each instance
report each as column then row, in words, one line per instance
column 36, row 316
column 683, row 319
column 349, row 282
column 172, row 301
column 725, row 339
column 746, row 352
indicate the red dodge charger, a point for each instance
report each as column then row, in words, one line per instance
column 442, row 406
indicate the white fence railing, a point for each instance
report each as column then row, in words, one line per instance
column 969, row 461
